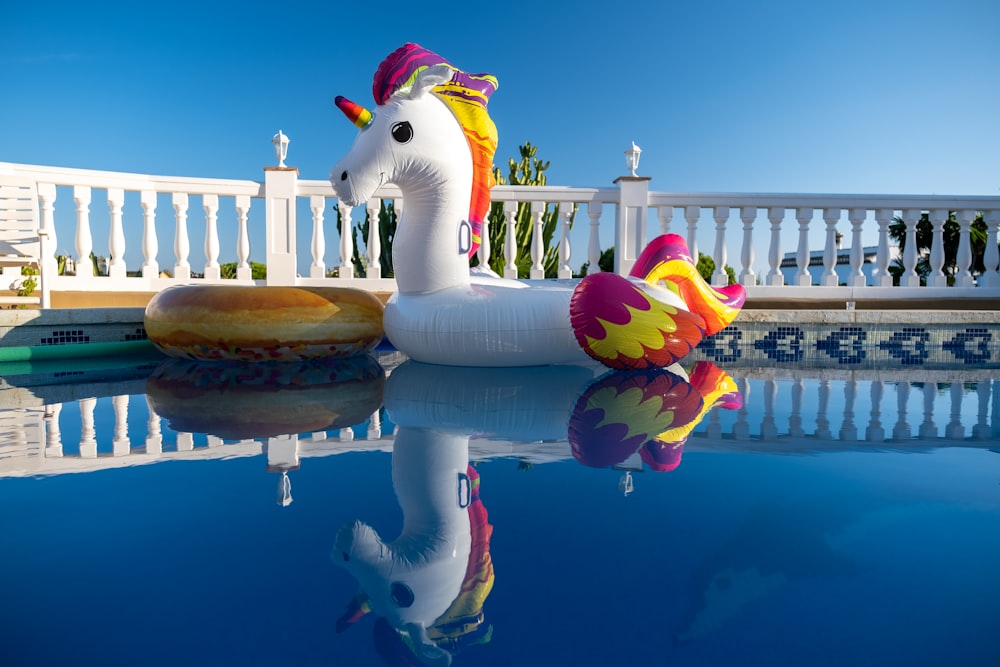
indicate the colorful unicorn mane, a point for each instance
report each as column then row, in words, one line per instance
column 466, row 95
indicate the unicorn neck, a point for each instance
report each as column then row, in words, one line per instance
column 426, row 253
column 427, row 468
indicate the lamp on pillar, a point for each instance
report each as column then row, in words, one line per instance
column 280, row 142
column 632, row 158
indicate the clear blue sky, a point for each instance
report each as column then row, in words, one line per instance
column 859, row 96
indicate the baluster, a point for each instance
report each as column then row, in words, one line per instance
column 537, row 271
column 154, row 434
column 88, row 435
column 116, row 234
column 564, row 247
column 713, row 429
column 666, row 214
column 346, row 434
column 848, row 430
column 774, row 275
column 822, row 405
column 692, row 214
column 981, row 431
column 831, row 249
column 510, row 242
column 937, row 276
column 928, row 429
column 211, row 205
column 741, row 428
column 875, row 432
column 748, row 214
column 374, row 241
column 991, row 257
column 485, row 249
column 594, row 244
column 721, row 215
column 150, row 246
column 857, row 218
column 318, row 267
column 47, row 231
column 243, row 269
column 214, row 441
column 375, row 426
column 795, row 418
column 901, row 430
column 963, row 276
column 995, row 422
column 768, row 429
column 84, row 241
column 910, row 276
column 185, row 442
column 346, row 269
column 182, row 245
column 53, row 436
column 954, row 430
column 882, row 277
column 802, row 258
column 120, row 445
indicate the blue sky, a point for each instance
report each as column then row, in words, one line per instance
column 858, row 96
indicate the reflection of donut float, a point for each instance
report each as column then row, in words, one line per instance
column 245, row 323
column 235, row 401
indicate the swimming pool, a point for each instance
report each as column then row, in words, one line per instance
column 170, row 512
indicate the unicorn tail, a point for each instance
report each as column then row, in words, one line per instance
column 668, row 259
column 717, row 389
column 622, row 326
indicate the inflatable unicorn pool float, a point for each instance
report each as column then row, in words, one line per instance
column 431, row 135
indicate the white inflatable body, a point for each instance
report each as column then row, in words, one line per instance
column 441, row 314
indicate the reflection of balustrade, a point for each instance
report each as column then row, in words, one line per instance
column 802, row 414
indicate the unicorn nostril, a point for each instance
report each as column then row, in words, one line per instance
column 343, row 176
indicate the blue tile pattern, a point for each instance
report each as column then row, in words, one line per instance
column 784, row 344
column 857, row 345
column 971, row 346
column 908, row 345
column 846, row 345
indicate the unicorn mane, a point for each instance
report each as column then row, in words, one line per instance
column 466, row 96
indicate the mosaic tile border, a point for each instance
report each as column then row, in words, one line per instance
column 761, row 339
column 71, row 327
column 855, row 345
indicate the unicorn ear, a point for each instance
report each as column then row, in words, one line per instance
column 426, row 79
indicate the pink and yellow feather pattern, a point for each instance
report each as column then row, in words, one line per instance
column 667, row 259
column 625, row 327
column 467, row 96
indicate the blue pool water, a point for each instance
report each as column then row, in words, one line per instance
column 821, row 518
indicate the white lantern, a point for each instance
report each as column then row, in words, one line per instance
column 280, row 142
column 632, row 158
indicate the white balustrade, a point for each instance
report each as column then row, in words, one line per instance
column 783, row 221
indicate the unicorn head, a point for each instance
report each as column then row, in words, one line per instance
column 431, row 135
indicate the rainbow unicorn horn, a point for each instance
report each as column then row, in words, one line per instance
column 355, row 113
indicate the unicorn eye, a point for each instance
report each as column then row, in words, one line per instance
column 402, row 132
column 400, row 594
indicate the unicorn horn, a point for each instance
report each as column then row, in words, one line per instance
column 356, row 113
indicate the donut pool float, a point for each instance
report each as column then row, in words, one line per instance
column 260, row 323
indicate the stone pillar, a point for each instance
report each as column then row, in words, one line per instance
column 280, row 185
column 630, row 224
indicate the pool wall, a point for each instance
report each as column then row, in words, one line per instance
column 858, row 339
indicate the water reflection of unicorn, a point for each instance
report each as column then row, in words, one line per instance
column 432, row 136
